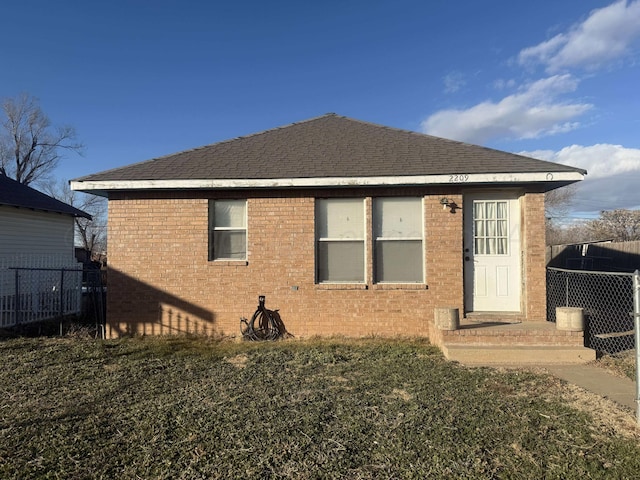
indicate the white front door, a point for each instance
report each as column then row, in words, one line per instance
column 492, row 253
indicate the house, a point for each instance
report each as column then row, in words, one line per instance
column 36, row 244
column 32, row 223
column 347, row 227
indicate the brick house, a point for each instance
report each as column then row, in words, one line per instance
column 348, row 228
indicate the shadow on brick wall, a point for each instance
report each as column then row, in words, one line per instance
column 138, row 308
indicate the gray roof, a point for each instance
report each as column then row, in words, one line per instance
column 329, row 146
column 16, row 194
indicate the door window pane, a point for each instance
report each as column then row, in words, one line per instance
column 490, row 227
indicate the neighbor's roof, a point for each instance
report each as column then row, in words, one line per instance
column 16, row 194
column 333, row 148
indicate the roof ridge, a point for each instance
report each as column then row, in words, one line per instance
column 328, row 147
column 448, row 140
column 221, row 142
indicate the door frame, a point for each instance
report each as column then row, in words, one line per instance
column 468, row 271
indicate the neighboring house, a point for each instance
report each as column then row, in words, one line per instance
column 347, row 227
column 36, row 237
column 32, row 223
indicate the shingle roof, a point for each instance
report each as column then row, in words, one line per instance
column 329, row 146
column 15, row 194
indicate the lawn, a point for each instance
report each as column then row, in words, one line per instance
column 160, row 408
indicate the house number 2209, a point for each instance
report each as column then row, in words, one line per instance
column 459, row 178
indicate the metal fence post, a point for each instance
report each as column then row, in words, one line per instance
column 61, row 299
column 636, row 320
column 17, row 299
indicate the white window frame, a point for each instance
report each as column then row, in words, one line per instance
column 378, row 240
column 326, row 240
column 213, row 228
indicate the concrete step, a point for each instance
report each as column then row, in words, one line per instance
column 517, row 354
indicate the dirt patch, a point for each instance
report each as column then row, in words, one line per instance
column 239, row 361
column 403, row 394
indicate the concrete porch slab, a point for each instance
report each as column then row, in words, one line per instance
column 517, row 354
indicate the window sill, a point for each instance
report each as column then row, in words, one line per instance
column 400, row 286
column 229, row 263
column 341, row 286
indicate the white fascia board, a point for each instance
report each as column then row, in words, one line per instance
column 452, row 179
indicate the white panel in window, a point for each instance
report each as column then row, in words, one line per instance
column 399, row 217
column 341, row 218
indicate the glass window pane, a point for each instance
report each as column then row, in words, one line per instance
column 399, row 261
column 502, row 246
column 502, row 228
column 491, row 227
column 230, row 213
column 502, row 210
column 478, row 210
column 341, row 262
column 340, row 218
column 229, row 244
column 399, row 217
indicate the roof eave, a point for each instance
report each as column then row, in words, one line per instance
column 102, row 187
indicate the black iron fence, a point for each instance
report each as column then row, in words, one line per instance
column 32, row 295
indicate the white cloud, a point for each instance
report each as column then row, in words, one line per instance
column 532, row 112
column 600, row 160
column 604, row 36
column 612, row 179
column 502, row 84
column 453, row 82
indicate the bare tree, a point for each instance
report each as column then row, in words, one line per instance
column 90, row 234
column 30, row 147
column 617, row 225
column 557, row 204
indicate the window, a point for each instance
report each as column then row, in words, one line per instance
column 227, row 229
column 340, row 240
column 490, row 227
column 398, row 239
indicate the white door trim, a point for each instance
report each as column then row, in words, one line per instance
column 492, row 256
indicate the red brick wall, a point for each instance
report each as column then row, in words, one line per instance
column 534, row 257
column 161, row 281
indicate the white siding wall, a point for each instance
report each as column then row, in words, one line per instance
column 24, row 231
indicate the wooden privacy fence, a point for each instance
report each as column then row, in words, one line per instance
column 599, row 256
column 38, row 288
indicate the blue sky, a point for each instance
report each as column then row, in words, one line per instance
column 558, row 80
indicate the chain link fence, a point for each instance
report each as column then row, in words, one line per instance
column 607, row 302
